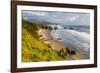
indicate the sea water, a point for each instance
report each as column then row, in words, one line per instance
column 76, row 38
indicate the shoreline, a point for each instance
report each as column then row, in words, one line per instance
column 57, row 45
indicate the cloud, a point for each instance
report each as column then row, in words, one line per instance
column 74, row 17
column 57, row 17
column 34, row 13
column 39, row 13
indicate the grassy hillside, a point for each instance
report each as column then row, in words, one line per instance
column 33, row 49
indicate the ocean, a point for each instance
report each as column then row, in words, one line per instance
column 75, row 38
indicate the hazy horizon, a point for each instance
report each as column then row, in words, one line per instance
column 63, row 18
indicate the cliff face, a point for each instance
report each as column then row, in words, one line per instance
column 49, row 40
column 35, row 49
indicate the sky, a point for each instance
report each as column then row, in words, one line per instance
column 63, row 18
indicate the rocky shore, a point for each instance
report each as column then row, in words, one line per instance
column 49, row 40
column 56, row 45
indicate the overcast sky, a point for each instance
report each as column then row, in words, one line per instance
column 66, row 18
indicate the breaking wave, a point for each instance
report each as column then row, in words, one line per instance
column 74, row 40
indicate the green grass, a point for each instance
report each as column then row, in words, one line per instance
column 33, row 49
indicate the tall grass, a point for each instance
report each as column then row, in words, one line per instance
column 33, row 49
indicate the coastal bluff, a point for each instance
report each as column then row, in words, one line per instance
column 48, row 39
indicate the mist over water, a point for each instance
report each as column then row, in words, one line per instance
column 73, row 31
column 76, row 39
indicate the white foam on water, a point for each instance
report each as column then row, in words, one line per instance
column 74, row 40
